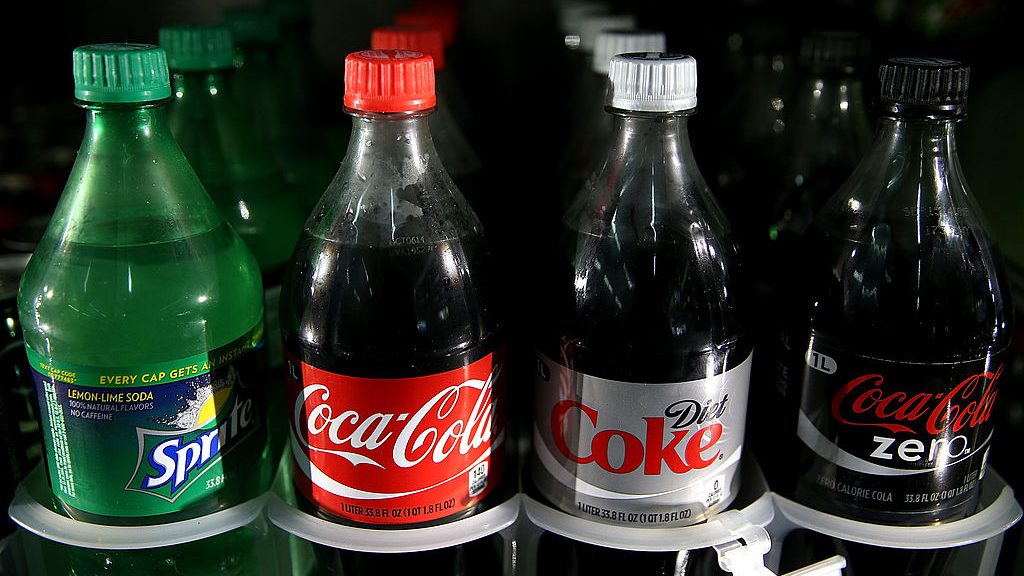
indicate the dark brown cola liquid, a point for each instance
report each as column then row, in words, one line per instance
column 402, row 310
column 637, row 310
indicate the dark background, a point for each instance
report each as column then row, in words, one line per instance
column 511, row 64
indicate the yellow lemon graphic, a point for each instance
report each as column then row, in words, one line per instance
column 212, row 406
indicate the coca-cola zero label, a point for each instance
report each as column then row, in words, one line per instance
column 906, row 438
column 637, row 453
column 397, row 450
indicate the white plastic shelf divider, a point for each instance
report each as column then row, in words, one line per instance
column 723, row 528
column 327, row 533
column 1000, row 512
column 38, row 518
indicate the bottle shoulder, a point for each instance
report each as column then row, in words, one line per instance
column 938, row 294
column 95, row 303
column 396, row 308
column 380, row 201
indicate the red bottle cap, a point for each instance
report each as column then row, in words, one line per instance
column 446, row 22
column 419, row 38
column 389, row 81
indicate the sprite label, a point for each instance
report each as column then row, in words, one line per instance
column 134, row 441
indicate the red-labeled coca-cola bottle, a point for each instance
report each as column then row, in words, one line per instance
column 644, row 357
column 394, row 349
column 898, row 356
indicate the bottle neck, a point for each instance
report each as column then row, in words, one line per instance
column 832, row 100
column 202, row 84
column 925, row 145
column 255, row 56
column 648, row 177
column 110, row 127
column 404, row 137
column 831, row 130
column 208, row 120
column 910, row 172
column 392, row 187
column 657, row 138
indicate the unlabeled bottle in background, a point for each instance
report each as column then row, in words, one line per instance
column 235, row 167
column 569, row 63
column 590, row 138
column 899, row 348
column 583, row 85
column 444, row 17
column 828, row 134
column 445, row 21
column 579, row 89
column 296, row 60
column 828, row 128
column 273, row 109
column 749, row 141
column 457, row 155
column 644, row 354
column 388, row 312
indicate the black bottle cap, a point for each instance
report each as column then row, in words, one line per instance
column 833, row 50
column 924, row 82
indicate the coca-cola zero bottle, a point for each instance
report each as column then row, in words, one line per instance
column 898, row 356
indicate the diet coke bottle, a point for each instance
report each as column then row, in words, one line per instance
column 644, row 358
column 392, row 343
column 899, row 354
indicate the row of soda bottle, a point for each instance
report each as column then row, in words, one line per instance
column 144, row 325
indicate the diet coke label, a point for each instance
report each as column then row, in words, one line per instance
column 911, row 438
column 397, row 450
column 636, row 453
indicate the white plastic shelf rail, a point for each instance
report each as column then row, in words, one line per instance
column 748, row 538
column 29, row 512
column 313, row 529
column 742, row 537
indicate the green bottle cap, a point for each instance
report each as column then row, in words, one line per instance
column 120, row 73
column 197, row 47
column 252, row 25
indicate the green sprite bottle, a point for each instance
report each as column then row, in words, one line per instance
column 142, row 313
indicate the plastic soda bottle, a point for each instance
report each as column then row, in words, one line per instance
column 900, row 344
column 142, row 313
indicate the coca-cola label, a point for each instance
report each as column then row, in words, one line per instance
column 895, row 436
column 397, row 450
column 638, row 453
